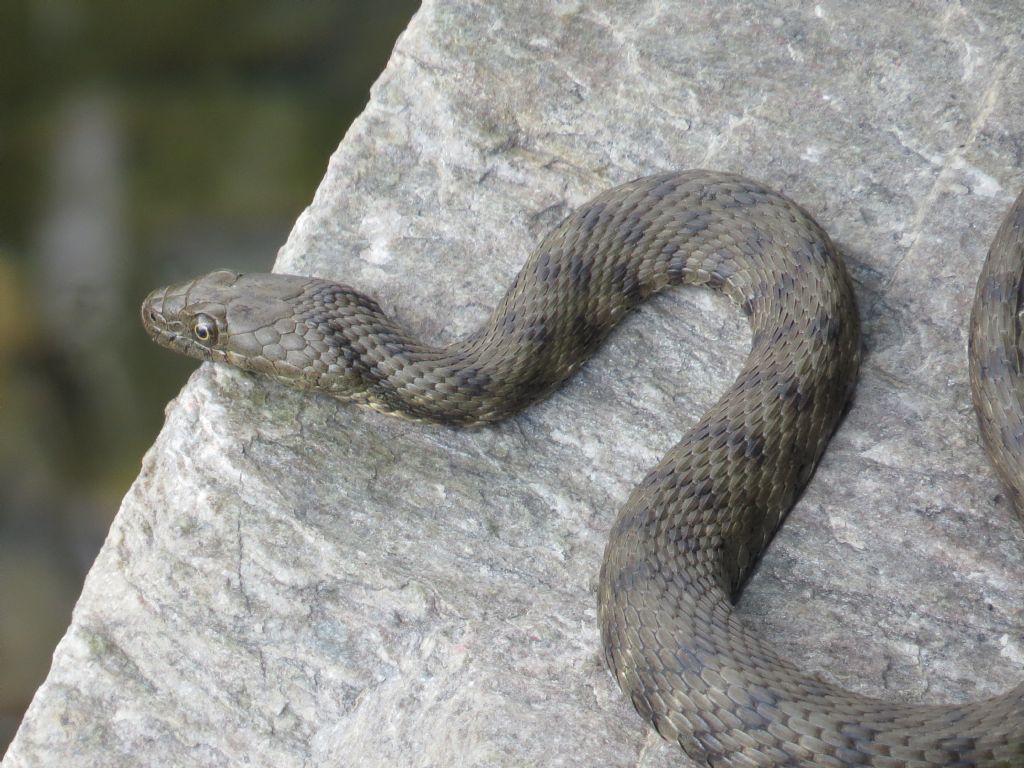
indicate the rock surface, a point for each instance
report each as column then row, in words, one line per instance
column 293, row 582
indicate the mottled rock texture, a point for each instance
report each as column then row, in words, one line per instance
column 294, row 582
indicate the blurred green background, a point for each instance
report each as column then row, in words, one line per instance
column 139, row 143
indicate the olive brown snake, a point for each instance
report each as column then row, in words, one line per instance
column 691, row 530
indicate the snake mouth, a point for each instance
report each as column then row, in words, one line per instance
column 153, row 319
column 163, row 320
column 155, row 322
column 167, row 332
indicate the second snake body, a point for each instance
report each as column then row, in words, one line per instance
column 689, row 533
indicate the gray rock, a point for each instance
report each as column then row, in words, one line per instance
column 296, row 582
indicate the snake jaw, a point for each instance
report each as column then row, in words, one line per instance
column 167, row 332
column 173, row 323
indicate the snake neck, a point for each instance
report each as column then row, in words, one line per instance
column 696, row 228
column 721, row 493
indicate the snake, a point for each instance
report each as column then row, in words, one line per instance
column 689, row 534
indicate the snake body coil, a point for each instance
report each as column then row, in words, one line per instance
column 690, row 532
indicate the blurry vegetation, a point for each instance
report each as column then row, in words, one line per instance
column 139, row 142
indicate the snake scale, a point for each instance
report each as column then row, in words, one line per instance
column 690, row 532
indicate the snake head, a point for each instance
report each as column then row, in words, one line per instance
column 300, row 330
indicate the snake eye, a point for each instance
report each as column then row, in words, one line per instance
column 204, row 328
